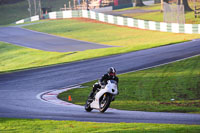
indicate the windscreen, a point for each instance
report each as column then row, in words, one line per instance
column 113, row 81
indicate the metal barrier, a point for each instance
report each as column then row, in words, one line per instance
column 122, row 21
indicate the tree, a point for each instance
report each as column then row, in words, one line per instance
column 162, row 4
column 29, row 7
column 186, row 5
column 184, row 2
column 139, row 3
column 34, row 7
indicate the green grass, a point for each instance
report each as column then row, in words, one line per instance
column 51, row 126
column 158, row 16
column 150, row 7
column 10, row 13
column 110, row 34
column 153, row 16
column 153, row 89
column 14, row 57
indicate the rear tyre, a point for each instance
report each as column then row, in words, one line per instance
column 105, row 102
column 87, row 106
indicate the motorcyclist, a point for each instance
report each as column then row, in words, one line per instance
column 110, row 75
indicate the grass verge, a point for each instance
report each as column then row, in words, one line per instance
column 14, row 57
column 158, row 16
column 154, row 89
column 46, row 126
column 9, row 13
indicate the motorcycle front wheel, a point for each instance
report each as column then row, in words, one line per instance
column 104, row 102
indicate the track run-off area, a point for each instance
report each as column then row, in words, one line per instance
column 19, row 90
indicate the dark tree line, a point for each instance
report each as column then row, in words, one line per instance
column 2, row 2
column 184, row 2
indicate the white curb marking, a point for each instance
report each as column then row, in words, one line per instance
column 51, row 96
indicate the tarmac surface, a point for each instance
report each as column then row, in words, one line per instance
column 119, row 13
column 19, row 91
column 42, row 41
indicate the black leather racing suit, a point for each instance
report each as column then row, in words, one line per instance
column 103, row 81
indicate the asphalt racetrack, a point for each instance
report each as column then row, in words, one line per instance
column 38, row 40
column 19, row 90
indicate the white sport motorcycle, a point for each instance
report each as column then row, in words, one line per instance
column 103, row 97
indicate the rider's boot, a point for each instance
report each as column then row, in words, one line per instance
column 91, row 96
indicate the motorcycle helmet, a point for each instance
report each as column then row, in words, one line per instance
column 111, row 71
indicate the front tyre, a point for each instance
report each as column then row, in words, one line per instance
column 87, row 106
column 105, row 102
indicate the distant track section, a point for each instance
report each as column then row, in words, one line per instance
column 43, row 41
